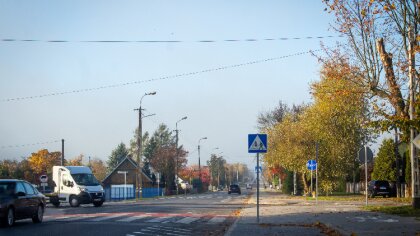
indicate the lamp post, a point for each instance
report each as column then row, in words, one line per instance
column 125, row 182
column 199, row 163
column 139, row 148
column 177, row 153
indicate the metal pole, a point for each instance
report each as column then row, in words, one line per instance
column 176, row 165
column 311, row 184
column 415, row 182
column 258, row 188
column 125, row 185
column 139, row 179
column 366, row 177
column 62, row 152
column 397, row 162
column 316, row 173
column 199, row 164
column 158, row 182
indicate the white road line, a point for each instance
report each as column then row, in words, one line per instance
column 187, row 220
column 132, row 218
column 170, row 229
column 81, row 217
column 138, row 233
column 159, row 219
column 216, row 220
column 175, row 234
column 109, row 217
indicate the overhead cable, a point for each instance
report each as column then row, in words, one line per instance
column 168, row 41
column 157, row 79
column 26, row 145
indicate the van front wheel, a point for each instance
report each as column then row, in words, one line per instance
column 74, row 201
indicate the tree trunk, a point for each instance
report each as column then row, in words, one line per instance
column 395, row 96
column 305, row 184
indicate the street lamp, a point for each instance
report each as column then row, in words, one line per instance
column 199, row 163
column 140, row 146
column 177, row 153
column 125, row 182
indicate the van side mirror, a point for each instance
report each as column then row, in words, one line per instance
column 21, row 194
column 70, row 184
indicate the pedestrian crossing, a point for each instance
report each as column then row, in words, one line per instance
column 130, row 217
column 206, row 196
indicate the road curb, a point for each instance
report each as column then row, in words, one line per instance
column 231, row 228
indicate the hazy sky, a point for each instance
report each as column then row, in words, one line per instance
column 222, row 105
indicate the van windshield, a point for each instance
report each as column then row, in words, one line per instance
column 85, row 179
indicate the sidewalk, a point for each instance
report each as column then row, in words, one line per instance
column 284, row 215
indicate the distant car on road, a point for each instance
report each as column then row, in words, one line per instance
column 20, row 200
column 379, row 187
column 234, row 188
column 220, row 188
column 248, row 186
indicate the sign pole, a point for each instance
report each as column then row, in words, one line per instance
column 316, row 173
column 311, row 185
column 258, row 188
column 257, row 143
column 366, row 177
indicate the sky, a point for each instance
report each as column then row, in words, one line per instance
column 221, row 104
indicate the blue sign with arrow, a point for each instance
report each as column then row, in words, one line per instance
column 257, row 143
column 311, row 165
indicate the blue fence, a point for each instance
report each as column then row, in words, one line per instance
column 116, row 193
column 152, row 192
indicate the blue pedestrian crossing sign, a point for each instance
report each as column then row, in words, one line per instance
column 311, row 165
column 258, row 169
column 257, row 143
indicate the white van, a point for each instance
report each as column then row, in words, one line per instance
column 76, row 185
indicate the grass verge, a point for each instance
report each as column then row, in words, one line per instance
column 407, row 211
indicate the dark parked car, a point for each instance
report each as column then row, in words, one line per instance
column 379, row 187
column 20, row 200
column 234, row 188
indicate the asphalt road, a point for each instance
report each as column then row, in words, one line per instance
column 198, row 214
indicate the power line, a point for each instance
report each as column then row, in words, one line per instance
column 169, row 41
column 157, row 79
column 26, row 145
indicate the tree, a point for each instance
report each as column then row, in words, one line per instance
column 43, row 161
column 333, row 122
column 162, row 137
column 98, row 168
column 76, row 161
column 217, row 165
column 164, row 160
column 384, row 163
column 133, row 150
column 8, row 168
column 117, row 155
column 383, row 43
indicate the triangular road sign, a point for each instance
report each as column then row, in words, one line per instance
column 257, row 145
column 416, row 141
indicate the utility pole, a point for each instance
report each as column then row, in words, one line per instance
column 415, row 182
column 177, row 154
column 397, row 162
column 139, row 172
column 62, row 152
column 199, row 163
column 316, row 172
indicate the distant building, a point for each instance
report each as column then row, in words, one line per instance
column 116, row 189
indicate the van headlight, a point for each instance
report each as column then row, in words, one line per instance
column 83, row 189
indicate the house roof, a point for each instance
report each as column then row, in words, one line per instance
column 132, row 162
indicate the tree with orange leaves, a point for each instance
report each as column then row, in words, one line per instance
column 43, row 161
